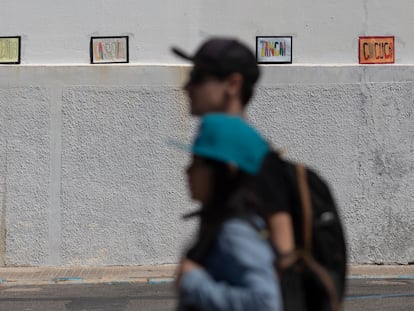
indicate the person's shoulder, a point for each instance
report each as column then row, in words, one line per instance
column 239, row 225
column 240, row 230
column 240, row 239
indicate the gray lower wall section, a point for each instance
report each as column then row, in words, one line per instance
column 361, row 139
column 88, row 176
column 122, row 186
column 25, row 174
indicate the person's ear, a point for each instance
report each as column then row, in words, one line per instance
column 235, row 83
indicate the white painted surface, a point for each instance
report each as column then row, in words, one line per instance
column 88, row 179
column 324, row 32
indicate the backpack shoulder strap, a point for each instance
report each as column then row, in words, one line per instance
column 307, row 216
column 306, row 203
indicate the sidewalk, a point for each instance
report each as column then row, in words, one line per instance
column 381, row 271
column 18, row 276
column 12, row 276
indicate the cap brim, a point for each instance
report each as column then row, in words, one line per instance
column 178, row 145
column 181, row 53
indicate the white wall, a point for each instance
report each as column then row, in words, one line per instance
column 324, row 32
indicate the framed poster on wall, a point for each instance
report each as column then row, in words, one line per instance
column 10, row 50
column 274, row 49
column 109, row 50
column 376, row 50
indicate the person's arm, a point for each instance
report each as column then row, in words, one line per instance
column 281, row 232
column 251, row 259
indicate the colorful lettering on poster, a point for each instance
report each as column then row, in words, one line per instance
column 9, row 49
column 109, row 50
column 376, row 50
column 271, row 48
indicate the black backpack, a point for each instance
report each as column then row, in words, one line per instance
column 313, row 276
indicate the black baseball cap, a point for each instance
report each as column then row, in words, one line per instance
column 221, row 57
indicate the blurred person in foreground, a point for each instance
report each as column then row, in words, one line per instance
column 230, row 266
column 223, row 79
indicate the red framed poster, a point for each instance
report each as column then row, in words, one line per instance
column 376, row 50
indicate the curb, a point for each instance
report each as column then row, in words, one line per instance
column 151, row 281
column 362, row 277
column 79, row 281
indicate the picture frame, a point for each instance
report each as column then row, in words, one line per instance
column 109, row 50
column 274, row 49
column 376, row 50
column 10, row 50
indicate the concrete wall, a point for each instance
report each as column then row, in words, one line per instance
column 88, row 179
column 86, row 176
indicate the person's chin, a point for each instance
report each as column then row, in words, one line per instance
column 192, row 194
column 195, row 197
